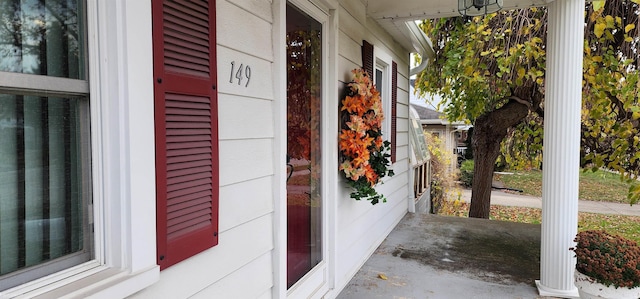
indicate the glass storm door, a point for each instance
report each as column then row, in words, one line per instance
column 304, row 209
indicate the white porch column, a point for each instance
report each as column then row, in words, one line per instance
column 561, row 159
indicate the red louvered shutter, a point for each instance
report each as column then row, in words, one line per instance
column 184, row 50
column 394, row 104
column 367, row 57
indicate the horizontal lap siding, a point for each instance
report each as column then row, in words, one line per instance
column 256, row 274
column 245, row 150
column 361, row 227
column 241, row 248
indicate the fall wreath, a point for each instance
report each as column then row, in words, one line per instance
column 364, row 154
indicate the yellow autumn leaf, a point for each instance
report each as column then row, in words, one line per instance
column 382, row 276
column 628, row 39
column 484, row 53
column 629, row 28
column 521, row 72
column 468, row 70
column 610, row 21
column 636, row 1
column 598, row 29
column 609, row 35
column 598, row 5
column 596, row 58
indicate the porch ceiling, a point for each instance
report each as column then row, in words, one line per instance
column 396, row 17
column 410, row 10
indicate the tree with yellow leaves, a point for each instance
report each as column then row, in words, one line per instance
column 490, row 70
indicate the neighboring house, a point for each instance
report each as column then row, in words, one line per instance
column 147, row 144
column 453, row 134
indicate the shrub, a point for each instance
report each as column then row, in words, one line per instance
column 609, row 259
column 442, row 179
column 466, row 173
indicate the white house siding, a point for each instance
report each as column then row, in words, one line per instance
column 248, row 261
column 361, row 227
column 240, row 266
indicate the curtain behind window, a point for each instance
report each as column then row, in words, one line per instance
column 44, row 158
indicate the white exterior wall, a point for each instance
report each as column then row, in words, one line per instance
column 361, row 227
column 240, row 266
column 248, row 261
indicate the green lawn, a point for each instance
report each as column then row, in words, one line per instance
column 626, row 226
column 596, row 186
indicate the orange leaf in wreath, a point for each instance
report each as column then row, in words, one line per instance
column 379, row 142
column 361, row 160
column 367, row 140
column 353, row 105
column 357, row 124
column 371, row 175
column 349, row 142
column 352, row 172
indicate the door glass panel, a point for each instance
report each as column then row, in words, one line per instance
column 304, row 204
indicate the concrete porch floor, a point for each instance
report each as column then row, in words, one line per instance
column 429, row 256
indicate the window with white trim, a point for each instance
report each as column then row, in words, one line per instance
column 45, row 156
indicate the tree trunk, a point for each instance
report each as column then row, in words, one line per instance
column 489, row 131
column 486, row 148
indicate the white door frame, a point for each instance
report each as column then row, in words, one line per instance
column 319, row 280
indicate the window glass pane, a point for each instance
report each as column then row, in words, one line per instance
column 379, row 85
column 304, row 123
column 44, row 182
column 42, row 37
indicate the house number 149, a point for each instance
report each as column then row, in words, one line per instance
column 240, row 73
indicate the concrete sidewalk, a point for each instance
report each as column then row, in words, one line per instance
column 502, row 198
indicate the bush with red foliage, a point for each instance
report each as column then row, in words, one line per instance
column 609, row 259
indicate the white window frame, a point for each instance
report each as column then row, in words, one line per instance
column 123, row 166
column 383, row 62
